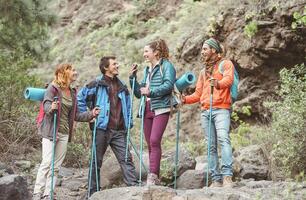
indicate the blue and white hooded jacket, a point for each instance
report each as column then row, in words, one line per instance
column 96, row 94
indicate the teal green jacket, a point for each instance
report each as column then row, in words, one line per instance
column 161, row 84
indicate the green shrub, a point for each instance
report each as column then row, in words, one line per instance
column 76, row 156
column 288, row 127
column 240, row 136
column 24, row 28
column 79, row 150
column 17, row 119
column 299, row 19
column 196, row 148
column 251, row 29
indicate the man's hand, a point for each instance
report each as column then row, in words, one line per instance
column 96, row 111
column 213, row 82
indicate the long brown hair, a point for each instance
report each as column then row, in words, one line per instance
column 161, row 47
column 61, row 75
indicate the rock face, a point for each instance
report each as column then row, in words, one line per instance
column 258, row 59
column 14, row 187
column 252, row 163
column 136, row 193
column 5, row 170
column 245, row 190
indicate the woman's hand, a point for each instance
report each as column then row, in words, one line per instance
column 133, row 70
column 145, row 91
column 95, row 111
column 54, row 105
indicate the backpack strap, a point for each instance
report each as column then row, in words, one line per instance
column 98, row 78
column 220, row 67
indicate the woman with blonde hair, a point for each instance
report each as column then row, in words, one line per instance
column 157, row 87
column 59, row 97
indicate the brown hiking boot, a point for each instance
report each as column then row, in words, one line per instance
column 215, row 184
column 227, row 181
column 152, row 179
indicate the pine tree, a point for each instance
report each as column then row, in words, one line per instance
column 24, row 26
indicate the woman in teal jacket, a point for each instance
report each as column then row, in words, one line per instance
column 157, row 87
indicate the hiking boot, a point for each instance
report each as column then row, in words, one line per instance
column 152, row 179
column 227, row 181
column 215, row 184
column 48, row 197
column 36, row 196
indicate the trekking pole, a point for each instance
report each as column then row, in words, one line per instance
column 177, row 145
column 93, row 156
column 53, row 149
column 137, row 154
column 142, row 105
column 130, row 120
column 209, row 128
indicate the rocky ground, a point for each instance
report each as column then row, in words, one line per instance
column 251, row 174
column 84, row 33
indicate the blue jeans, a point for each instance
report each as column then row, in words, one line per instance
column 220, row 125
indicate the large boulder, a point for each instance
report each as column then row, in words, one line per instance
column 192, row 179
column 251, row 163
column 5, row 170
column 136, row 193
column 245, row 190
column 185, row 162
column 14, row 187
column 111, row 173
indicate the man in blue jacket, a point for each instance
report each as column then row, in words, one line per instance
column 112, row 96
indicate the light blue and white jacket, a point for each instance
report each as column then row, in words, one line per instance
column 96, row 94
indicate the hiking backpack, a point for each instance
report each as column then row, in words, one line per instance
column 234, row 87
column 176, row 96
column 41, row 113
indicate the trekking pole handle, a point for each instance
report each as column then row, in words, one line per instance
column 212, row 85
column 55, row 99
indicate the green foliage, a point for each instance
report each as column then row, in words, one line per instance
column 288, row 132
column 24, row 26
column 251, row 29
column 76, row 155
column 249, row 15
column 166, row 171
column 241, row 135
column 300, row 177
column 299, row 19
column 195, row 148
column 23, row 30
column 17, row 124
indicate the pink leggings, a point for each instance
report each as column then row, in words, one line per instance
column 154, row 127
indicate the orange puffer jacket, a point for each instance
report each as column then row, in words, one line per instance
column 221, row 94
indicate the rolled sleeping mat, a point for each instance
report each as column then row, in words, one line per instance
column 185, row 80
column 34, row 94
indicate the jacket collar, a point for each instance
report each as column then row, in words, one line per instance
column 103, row 83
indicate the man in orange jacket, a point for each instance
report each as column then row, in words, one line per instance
column 221, row 105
